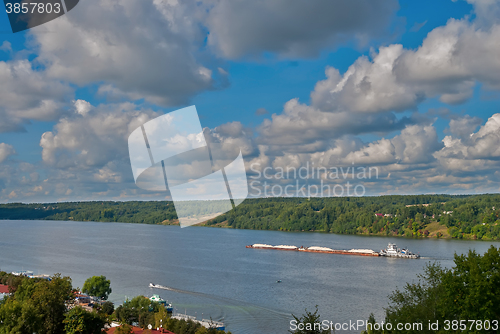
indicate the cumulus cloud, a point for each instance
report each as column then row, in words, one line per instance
column 6, row 46
column 451, row 59
column 85, row 156
column 6, row 151
column 29, row 95
column 367, row 86
column 301, row 28
column 139, row 49
column 82, row 107
column 301, row 126
column 448, row 64
column 464, row 127
column 481, row 150
column 92, row 139
column 414, row 145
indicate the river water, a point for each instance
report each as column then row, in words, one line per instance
column 212, row 274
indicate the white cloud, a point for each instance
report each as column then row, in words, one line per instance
column 452, row 58
column 380, row 152
column 447, row 65
column 304, row 128
column 464, row 127
column 6, row 151
column 416, row 144
column 481, row 150
column 92, row 139
column 6, row 46
column 28, row 95
column 82, row 107
column 367, row 86
column 139, row 49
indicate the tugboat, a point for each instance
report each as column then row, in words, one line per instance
column 393, row 251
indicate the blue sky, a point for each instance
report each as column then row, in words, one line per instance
column 410, row 88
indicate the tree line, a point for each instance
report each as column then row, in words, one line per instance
column 455, row 216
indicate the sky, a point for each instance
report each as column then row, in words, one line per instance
column 409, row 89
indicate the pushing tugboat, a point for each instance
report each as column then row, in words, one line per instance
column 393, row 251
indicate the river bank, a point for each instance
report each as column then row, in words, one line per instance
column 474, row 217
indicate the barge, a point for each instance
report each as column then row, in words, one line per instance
column 391, row 251
column 317, row 249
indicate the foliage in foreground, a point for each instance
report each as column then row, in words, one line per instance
column 37, row 306
column 468, row 291
column 309, row 323
column 79, row 321
column 144, row 312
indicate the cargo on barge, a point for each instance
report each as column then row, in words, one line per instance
column 317, row 249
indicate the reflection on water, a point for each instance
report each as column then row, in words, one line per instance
column 214, row 275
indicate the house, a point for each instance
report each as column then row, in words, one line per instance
column 137, row 330
column 4, row 291
column 379, row 214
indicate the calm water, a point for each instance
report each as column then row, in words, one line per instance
column 214, row 275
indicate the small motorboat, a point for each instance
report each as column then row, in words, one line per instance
column 278, row 281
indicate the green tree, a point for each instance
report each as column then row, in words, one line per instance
column 472, row 287
column 108, row 308
column 97, row 286
column 468, row 291
column 309, row 323
column 140, row 309
column 419, row 302
column 79, row 321
column 38, row 305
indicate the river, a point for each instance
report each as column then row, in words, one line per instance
column 212, row 274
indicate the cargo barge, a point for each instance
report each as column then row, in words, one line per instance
column 391, row 251
column 317, row 249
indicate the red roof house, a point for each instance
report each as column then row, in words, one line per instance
column 4, row 288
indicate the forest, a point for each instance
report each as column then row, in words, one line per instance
column 414, row 216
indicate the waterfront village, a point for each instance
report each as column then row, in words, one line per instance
column 87, row 310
